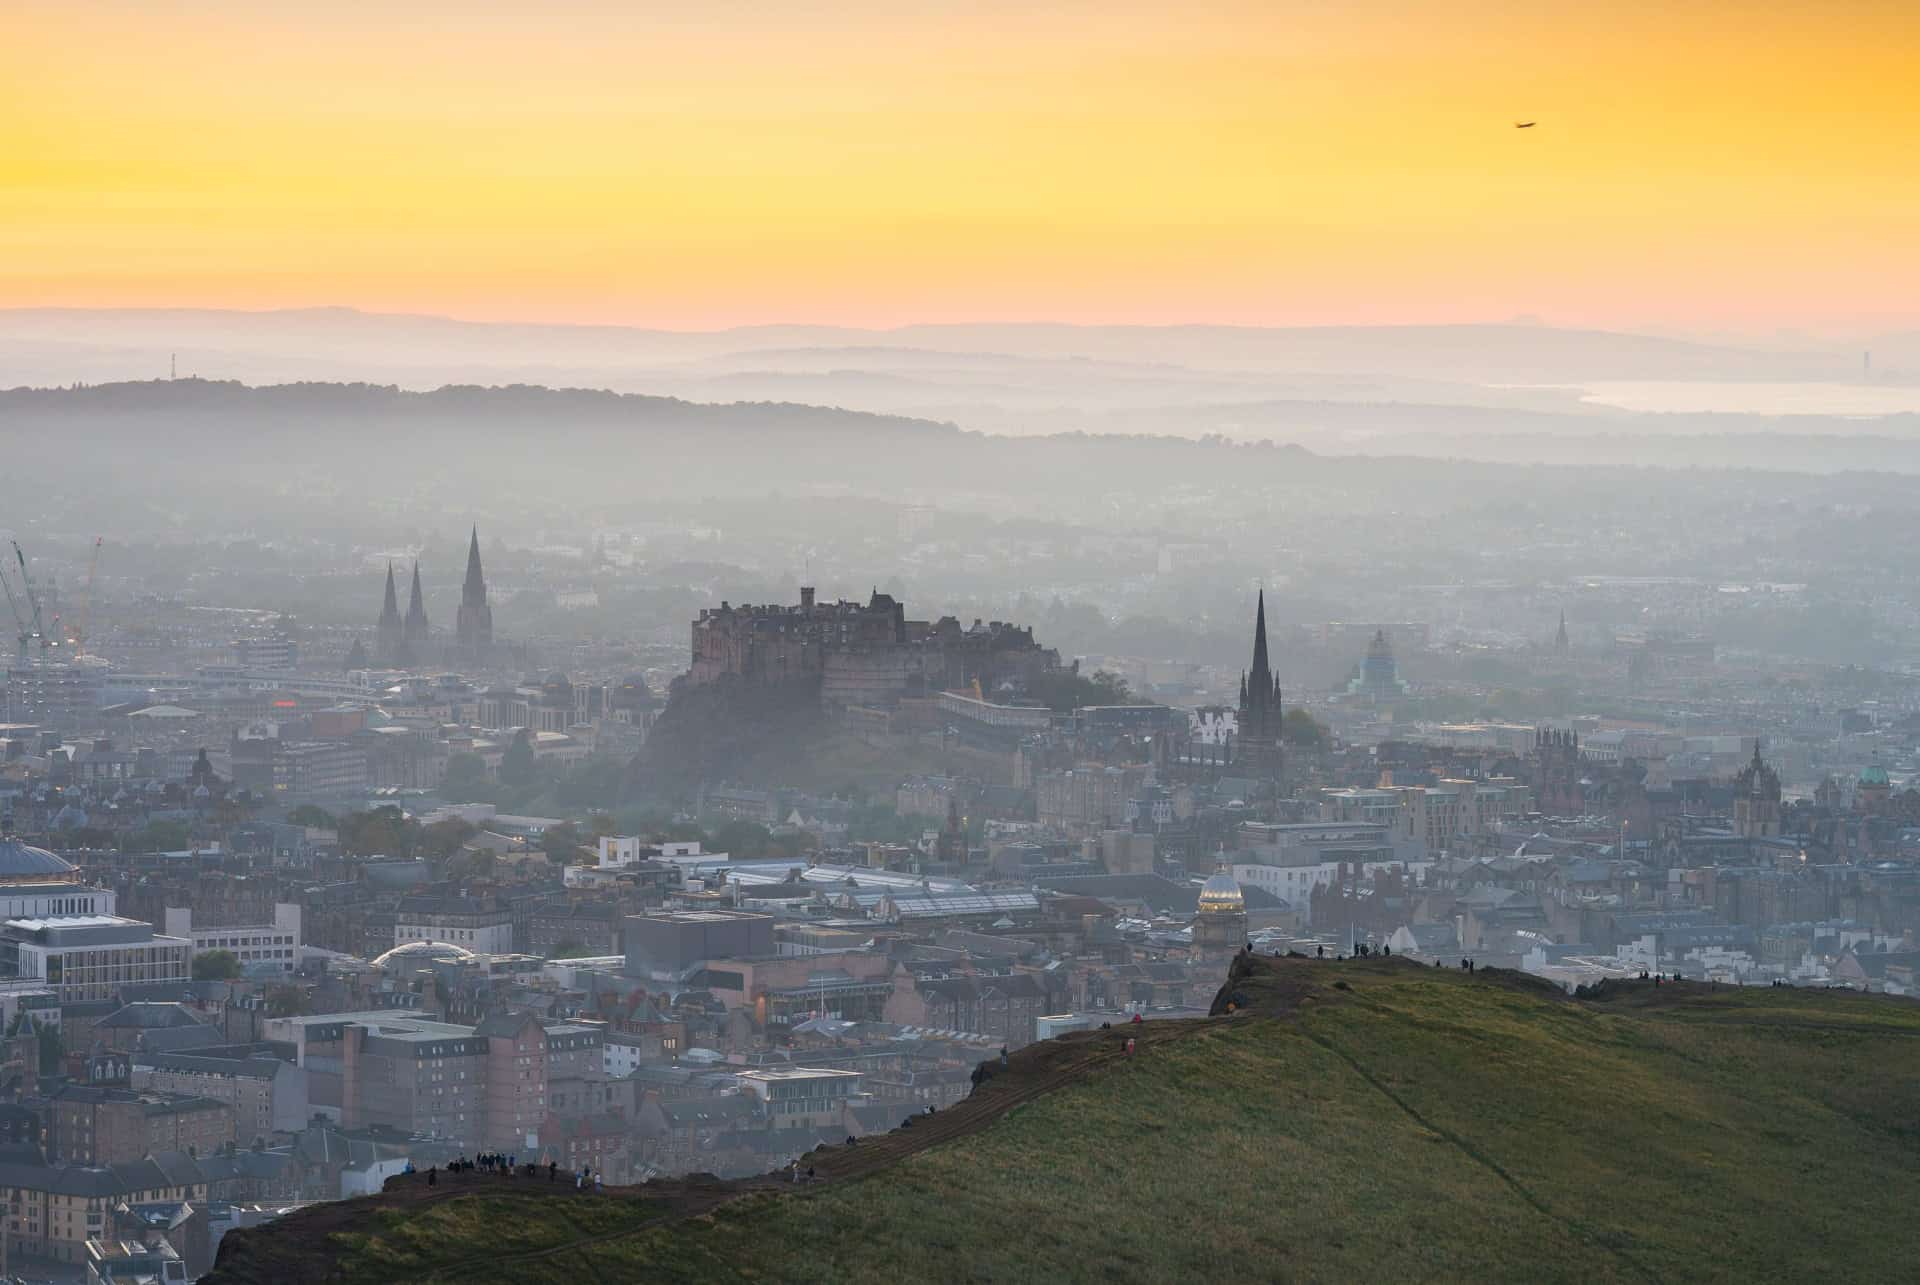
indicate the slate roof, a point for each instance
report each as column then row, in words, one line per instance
column 168, row 1169
column 149, row 1016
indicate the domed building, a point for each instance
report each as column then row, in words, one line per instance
column 24, row 863
column 1220, row 921
column 37, row 884
column 1376, row 679
column 64, row 934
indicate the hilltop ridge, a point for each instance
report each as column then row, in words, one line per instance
column 1362, row 1118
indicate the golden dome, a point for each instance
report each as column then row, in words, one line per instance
column 1220, row 895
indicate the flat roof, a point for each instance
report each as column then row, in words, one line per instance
column 368, row 1017
column 797, row 1073
column 700, row 916
column 77, row 921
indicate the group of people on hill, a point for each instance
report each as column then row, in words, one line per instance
column 509, row 1166
column 1369, row 951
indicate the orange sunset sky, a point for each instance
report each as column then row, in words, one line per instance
column 1707, row 165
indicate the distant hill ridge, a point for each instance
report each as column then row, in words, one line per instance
column 316, row 397
column 341, row 339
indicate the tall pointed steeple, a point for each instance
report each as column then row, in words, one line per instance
column 1261, row 673
column 1259, row 689
column 388, row 635
column 475, row 587
column 417, row 627
column 474, row 628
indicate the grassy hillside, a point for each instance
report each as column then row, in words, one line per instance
column 1354, row 1121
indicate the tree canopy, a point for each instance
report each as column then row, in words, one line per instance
column 517, row 766
column 1301, row 729
column 1064, row 690
column 216, row 966
column 159, row 836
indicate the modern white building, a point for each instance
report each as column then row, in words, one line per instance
column 802, row 1097
column 483, row 927
column 59, row 934
column 1289, row 860
column 81, row 957
column 275, row 945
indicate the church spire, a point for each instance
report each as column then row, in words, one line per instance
column 473, row 627
column 388, row 637
column 417, row 627
column 1260, row 670
column 475, row 588
column 1259, row 690
column 390, row 612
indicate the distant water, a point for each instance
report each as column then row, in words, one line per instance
column 1704, row 396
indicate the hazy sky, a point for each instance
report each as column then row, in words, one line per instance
column 1744, row 165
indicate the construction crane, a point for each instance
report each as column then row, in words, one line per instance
column 82, row 616
column 13, row 604
column 33, row 600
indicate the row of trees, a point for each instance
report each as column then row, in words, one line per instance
column 525, row 784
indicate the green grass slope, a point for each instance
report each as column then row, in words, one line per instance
column 1354, row 1121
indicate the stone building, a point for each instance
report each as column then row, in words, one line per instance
column 1756, row 800
column 1558, row 773
column 90, row 1124
column 266, row 1095
column 53, row 1211
column 1088, row 799
column 861, row 654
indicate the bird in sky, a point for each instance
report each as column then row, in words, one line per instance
column 1523, row 124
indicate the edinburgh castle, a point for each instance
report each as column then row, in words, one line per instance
column 862, row 654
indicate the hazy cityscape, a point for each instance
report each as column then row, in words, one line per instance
column 380, row 752
column 884, row 644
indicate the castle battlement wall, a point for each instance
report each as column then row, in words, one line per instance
column 866, row 654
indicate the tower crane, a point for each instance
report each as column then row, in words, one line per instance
column 33, row 600
column 13, row 604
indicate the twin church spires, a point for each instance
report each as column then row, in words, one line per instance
column 402, row 642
